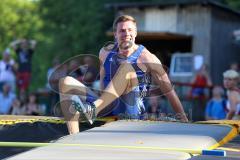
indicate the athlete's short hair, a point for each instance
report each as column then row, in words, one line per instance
column 123, row 18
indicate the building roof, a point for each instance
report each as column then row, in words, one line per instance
column 164, row 3
column 158, row 35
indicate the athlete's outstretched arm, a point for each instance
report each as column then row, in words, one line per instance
column 157, row 71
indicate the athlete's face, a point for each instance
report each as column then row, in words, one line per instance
column 125, row 31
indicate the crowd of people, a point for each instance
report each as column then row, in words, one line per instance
column 15, row 79
column 214, row 102
column 223, row 102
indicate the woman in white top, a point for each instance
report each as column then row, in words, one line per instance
column 231, row 78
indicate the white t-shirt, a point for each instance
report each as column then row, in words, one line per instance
column 6, row 71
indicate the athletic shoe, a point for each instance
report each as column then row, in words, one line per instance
column 88, row 109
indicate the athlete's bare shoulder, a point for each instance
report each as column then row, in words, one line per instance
column 105, row 50
column 148, row 57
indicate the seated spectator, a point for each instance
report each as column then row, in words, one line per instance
column 155, row 111
column 7, row 70
column 199, row 82
column 153, row 108
column 216, row 105
column 73, row 69
column 17, row 108
column 6, row 99
column 32, row 106
column 89, row 70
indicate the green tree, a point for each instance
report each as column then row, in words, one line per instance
column 235, row 4
column 18, row 19
column 75, row 26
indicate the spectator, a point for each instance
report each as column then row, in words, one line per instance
column 216, row 105
column 24, row 50
column 199, row 82
column 32, row 106
column 234, row 66
column 56, row 72
column 22, row 97
column 74, row 70
column 17, row 108
column 89, row 70
column 7, row 70
column 55, row 64
column 230, row 81
column 6, row 99
column 155, row 111
column 53, row 76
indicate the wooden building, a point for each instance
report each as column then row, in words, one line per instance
column 202, row 27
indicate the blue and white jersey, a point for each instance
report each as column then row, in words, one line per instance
column 132, row 102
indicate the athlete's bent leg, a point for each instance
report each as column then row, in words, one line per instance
column 124, row 81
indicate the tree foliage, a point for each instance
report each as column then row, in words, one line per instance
column 232, row 3
column 18, row 19
column 76, row 26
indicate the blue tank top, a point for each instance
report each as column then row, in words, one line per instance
column 132, row 102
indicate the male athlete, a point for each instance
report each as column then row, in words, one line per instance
column 125, row 73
